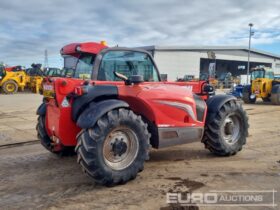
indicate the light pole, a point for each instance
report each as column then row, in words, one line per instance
column 249, row 51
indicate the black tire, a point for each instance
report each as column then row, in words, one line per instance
column 267, row 99
column 10, row 87
column 92, row 144
column 217, row 138
column 246, row 95
column 275, row 95
column 46, row 141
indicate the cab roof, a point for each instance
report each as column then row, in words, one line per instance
column 264, row 68
column 87, row 47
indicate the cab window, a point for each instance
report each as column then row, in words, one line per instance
column 84, row 66
column 127, row 63
column 257, row 74
column 269, row 75
column 70, row 62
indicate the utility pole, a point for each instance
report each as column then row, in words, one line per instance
column 46, row 62
column 249, row 51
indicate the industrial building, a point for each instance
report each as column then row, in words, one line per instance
column 176, row 61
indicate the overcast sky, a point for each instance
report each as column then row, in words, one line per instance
column 29, row 27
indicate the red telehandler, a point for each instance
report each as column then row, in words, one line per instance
column 111, row 106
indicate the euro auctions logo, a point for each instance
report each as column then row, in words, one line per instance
column 265, row 198
column 192, row 198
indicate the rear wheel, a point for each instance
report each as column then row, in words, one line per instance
column 247, row 96
column 275, row 95
column 114, row 150
column 10, row 87
column 226, row 130
column 47, row 142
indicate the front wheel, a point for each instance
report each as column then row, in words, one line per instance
column 226, row 130
column 247, row 96
column 10, row 87
column 113, row 151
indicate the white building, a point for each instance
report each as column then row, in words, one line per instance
column 176, row 61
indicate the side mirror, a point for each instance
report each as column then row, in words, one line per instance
column 136, row 79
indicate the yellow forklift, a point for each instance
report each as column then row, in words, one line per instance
column 263, row 85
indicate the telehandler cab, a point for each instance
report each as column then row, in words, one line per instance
column 114, row 106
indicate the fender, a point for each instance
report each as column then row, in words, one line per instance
column 94, row 92
column 89, row 117
column 215, row 103
column 200, row 107
column 42, row 109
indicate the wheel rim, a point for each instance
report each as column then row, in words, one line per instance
column 120, row 148
column 10, row 87
column 231, row 129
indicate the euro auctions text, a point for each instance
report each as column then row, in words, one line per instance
column 265, row 198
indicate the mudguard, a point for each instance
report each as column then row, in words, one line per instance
column 42, row 109
column 89, row 116
column 200, row 107
column 94, row 92
column 216, row 102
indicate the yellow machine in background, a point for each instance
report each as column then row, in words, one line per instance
column 10, row 81
column 16, row 78
column 263, row 85
column 35, row 77
column 35, row 83
column 37, row 74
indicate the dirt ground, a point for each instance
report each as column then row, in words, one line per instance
column 32, row 178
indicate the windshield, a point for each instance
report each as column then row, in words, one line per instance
column 70, row 62
column 269, row 74
column 81, row 67
column 127, row 63
column 53, row 72
column 84, row 66
column 257, row 74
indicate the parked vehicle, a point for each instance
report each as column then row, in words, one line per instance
column 236, row 91
column 225, row 80
column 263, row 85
column 11, row 81
column 53, row 72
column 115, row 106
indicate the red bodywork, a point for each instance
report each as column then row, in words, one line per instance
column 10, row 68
column 151, row 100
column 88, row 47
